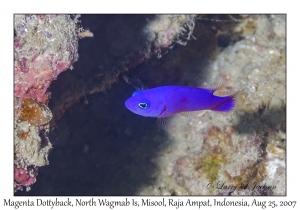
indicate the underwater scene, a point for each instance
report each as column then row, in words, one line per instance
column 150, row 104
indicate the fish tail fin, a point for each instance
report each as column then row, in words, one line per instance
column 228, row 104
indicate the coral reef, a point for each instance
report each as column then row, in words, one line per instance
column 166, row 29
column 31, row 144
column 44, row 46
column 226, row 161
column 238, row 153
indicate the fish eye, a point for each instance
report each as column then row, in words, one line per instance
column 144, row 105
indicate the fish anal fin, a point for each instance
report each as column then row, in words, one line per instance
column 172, row 123
column 223, row 113
column 191, row 113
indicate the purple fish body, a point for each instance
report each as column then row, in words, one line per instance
column 166, row 101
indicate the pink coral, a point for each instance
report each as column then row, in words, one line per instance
column 25, row 177
column 45, row 46
column 34, row 80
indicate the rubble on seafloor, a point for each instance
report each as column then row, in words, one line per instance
column 242, row 152
column 47, row 45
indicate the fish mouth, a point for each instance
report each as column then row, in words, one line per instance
column 127, row 104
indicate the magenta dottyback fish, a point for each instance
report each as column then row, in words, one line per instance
column 167, row 101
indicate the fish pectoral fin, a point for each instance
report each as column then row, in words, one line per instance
column 165, row 113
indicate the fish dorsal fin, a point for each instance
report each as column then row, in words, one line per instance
column 137, row 92
column 216, row 86
column 219, row 84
